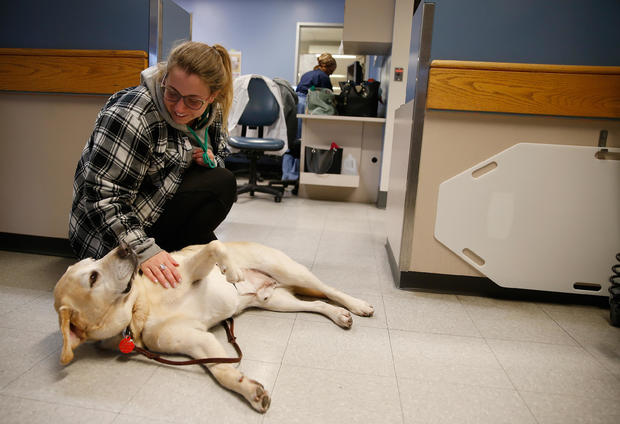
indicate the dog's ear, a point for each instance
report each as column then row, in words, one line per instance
column 70, row 340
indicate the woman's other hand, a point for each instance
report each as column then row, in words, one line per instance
column 197, row 156
column 162, row 269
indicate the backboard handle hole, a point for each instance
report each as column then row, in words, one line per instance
column 484, row 170
column 587, row 286
column 475, row 258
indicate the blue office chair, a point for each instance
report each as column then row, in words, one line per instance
column 262, row 110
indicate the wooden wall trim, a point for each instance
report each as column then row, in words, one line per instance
column 70, row 71
column 560, row 90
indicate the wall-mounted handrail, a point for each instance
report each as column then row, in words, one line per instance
column 559, row 90
column 70, row 71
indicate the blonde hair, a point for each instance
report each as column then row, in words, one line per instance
column 211, row 64
column 326, row 61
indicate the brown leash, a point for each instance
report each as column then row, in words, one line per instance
column 127, row 346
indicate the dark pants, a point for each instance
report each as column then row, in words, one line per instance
column 201, row 203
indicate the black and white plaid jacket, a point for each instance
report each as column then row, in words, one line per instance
column 132, row 163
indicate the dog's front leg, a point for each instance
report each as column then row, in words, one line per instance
column 214, row 253
column 184, row 337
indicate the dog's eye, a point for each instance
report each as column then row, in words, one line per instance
column 93, row 278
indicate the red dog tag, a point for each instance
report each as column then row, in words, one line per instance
column 126, row 345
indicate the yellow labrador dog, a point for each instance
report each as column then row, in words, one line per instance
column 99, row 299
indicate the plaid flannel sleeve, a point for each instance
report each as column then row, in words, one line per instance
column 119, row 159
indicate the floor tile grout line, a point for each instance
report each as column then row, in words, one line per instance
column 473, row 385
column 544, row 311
column 34, row 364
column 514, row 388
column 275, row 381
column 59, row 402
column 338, row 370
column 512, row 382
column 597, row 360
column 132, row 397
column 486, row 341
column 400, row 398
column 165, row 420
column 24, row 329
column 526, row 340
column 318, row 245
column 28, row 302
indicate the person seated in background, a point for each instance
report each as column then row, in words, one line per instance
column 318, row 77
column 152, row 173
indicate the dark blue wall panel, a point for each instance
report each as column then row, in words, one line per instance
column 568, row 32
column 176, row 26
column 75, row 24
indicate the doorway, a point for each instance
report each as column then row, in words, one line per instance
column 316, row 38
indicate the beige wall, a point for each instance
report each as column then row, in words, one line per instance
column 42, row 137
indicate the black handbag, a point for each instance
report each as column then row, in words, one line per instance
column 323, row 161
column 358, row 99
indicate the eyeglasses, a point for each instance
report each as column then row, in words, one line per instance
column 173, row 96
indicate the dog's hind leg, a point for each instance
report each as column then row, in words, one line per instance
column 293, row 275
column 182, row 337
column 289, row 273
column 282, row 300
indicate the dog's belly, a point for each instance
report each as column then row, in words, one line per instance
column 210, row 300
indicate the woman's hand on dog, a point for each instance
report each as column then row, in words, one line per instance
column 162, row 269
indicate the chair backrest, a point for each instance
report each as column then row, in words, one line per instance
column 262, row 108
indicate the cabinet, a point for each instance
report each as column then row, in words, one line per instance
column 359, row 136
column 368, row 26
column 554, row 105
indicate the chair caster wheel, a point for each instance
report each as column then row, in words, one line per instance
column 278, row 199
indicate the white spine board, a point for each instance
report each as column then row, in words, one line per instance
column 546, row 217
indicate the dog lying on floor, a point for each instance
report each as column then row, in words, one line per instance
column 99, row 299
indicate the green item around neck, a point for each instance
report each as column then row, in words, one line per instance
column 205, row 146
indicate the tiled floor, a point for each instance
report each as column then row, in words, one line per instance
column 423, row 358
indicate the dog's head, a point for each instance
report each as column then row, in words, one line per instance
column 90, row 298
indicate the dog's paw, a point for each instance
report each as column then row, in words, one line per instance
column 259, row 399
column 343, row 318
column 233, row 274
column 362, row 308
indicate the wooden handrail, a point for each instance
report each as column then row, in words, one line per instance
column 70, row 71
column 526, row 67
column 561, row 90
